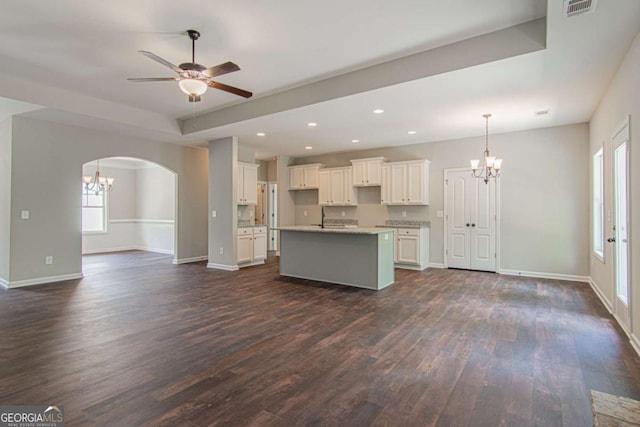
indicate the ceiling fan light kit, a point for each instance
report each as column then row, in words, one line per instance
column 194, row 79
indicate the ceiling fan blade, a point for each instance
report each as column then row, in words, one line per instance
column 152, row 79
column 161, row 61
column 218, row 70
column 230, row 89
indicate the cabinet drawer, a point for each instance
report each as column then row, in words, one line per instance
column 260, row 230
column 244, row 231
column 408, row 231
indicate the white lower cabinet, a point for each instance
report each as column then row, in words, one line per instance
column 252, row 246
column 412, row 248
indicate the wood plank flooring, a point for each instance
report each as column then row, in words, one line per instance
column 140, row 341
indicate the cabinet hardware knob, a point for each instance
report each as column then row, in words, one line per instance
column 473, row 225
column 468, row 224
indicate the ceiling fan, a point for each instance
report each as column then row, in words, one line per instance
column 194, row 78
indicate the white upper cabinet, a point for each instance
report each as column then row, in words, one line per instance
column 367, row 172
column 247, row 184
column 405, row 183
column 305, row 177
column 336, row 188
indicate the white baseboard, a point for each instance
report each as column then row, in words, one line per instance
column 555, row 276
column 127, row 248
column 436, row 265
column 222, row 266
column 4, row 283
column 635, row 343
column 252, row 263
column 607, row 304
column 192, row 259
column 40, row 280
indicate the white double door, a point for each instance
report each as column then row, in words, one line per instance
column 471, row 221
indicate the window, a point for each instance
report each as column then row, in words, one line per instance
column 94, row 213
column 598, row 204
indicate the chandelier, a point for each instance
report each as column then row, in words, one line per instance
column 97, row 184
column 490, row 168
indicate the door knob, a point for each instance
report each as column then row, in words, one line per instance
column 611, row 240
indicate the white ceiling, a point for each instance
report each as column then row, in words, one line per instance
column 73, row 57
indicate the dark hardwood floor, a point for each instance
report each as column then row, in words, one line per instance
column 140, row 341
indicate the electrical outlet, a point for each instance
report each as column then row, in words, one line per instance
column 404, row 214
column 304, row 213
column 214, row 214
column 221, row 251
column 439, row 214
column 24, row 215
column 342, row 213
column 48, row 260
column 250, row 213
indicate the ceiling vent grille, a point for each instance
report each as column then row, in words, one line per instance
column 578, row 7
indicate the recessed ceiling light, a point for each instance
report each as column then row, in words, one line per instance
column 541, row 112
column 312, row 124
column 355, row 140
column 412, row 132
column 378, row 111
column 308, row 147
column 261, row 134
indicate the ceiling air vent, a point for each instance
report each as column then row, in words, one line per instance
column 578, row 7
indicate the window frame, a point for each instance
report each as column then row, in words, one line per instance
column 104, row 207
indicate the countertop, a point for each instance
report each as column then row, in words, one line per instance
column 251, row 226
column 317, row 229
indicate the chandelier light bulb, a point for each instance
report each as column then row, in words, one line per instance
column 474, row 164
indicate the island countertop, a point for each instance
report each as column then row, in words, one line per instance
column 333, row 229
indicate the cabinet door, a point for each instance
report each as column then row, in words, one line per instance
column 385, row 190
column 296, row 178
column 240, row 192
column 350, row 192
column 324, row 189
column 398, row 173
column 310, row 177
column 374, row 173
column 408, row 250
column 250, row 185
column 245, row 248
column 337, row 187
column 416, row 184
column 359, row 173
column 259, row 246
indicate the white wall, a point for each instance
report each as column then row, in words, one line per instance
column 54, row 153
column 544, row 189
column 621, row 99
column 141, row 211
column 5, row 198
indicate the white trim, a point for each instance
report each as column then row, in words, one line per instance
column 41, row 280
column 127, row 248
column 252, row 263
column 4, row 283
column 222, row 266
column 192, row 259
column 635, row 343
column 411, row 267
column 607, row 304
column 146, row 221
column 541, row 275
column 622, row 326
column 436, row 265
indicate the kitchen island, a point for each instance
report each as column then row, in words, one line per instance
column 361, row 256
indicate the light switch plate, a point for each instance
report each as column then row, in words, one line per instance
column 342, row 213
column 404, row 214
column 439, row 214
column 214, row 214
column 305, row 213
column 24, row 214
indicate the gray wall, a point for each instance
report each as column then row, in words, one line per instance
column 223, row 163
column 544, row 188
column 156, row 194
column 54, row 153
column 622, row 98
column 5, row 197
column 263, row 170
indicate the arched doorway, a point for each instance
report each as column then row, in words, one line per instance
column 138, row 213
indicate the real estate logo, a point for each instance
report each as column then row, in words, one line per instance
column 32, row 416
